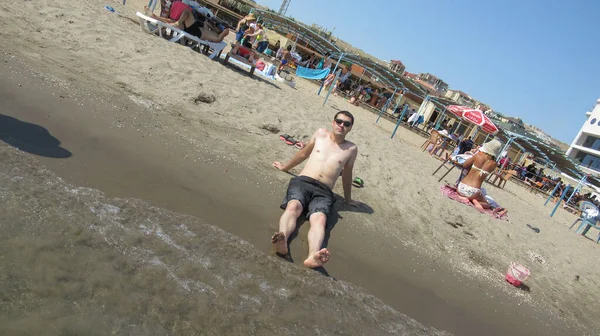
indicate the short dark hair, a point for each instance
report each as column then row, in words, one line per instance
column 347, row 114
column 289, row 48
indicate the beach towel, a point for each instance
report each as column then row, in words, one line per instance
column 311, row 73
column 451, row 193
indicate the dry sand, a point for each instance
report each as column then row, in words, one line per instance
column 84, row 46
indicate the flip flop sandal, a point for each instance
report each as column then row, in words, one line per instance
column 299, row 145
column 358, row 182
column 287, row 139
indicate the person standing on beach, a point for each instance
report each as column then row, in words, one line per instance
column 328, row 154
column 286, row 57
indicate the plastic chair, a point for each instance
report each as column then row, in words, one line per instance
column 586, row 223
column 501, row 177
column 433, row 139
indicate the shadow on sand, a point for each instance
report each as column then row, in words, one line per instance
column 30, row 138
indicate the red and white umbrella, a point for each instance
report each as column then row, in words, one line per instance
column 474, row 116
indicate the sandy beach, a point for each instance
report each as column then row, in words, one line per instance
column 124, row 106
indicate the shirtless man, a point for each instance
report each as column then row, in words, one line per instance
column 286, row 57
column 328, row 152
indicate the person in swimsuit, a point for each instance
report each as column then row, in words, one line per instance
column 181, row 16
column 328, row 154
column 244, row 51
column 286, row 57
column 480, row 166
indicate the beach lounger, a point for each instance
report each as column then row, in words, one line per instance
column 240, row 59
column 156, row 27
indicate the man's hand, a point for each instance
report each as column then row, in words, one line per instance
column 353, row 203
column 279, row 165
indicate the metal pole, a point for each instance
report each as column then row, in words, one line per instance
column 486, row 137
column 508, row 142
column 577, row 187
column 332, row 85
column 385, row 106
column 440, row 118
column 398, row 102
column 335, row 68
column 561, row 197
column 421, row 108
column 399, row 121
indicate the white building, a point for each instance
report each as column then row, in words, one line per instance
column 585, row 149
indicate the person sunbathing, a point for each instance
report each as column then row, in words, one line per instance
column 182, row 17
column 329, row 155
column 244, row 51
column 480, row 166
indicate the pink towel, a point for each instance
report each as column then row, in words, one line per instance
column 451, row 192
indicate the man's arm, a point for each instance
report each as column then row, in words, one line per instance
column 298, row 158
column 239, row 25
column 347, row 176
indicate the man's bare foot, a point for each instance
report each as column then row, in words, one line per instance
column 318, row 259
column 280, row 243
column 149, row 12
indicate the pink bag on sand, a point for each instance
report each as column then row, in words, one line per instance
column 260, row 65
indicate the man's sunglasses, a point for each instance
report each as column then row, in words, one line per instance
column 344, row 122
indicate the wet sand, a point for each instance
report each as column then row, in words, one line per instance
column 123, row 162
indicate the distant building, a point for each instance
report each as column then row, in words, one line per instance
column 436, row 83
column 460, row 98
column 512, row 124
column 410, row 75
column 585, row 148
column 397, row 67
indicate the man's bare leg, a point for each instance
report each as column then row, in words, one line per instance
column 317, row 256
column 287, row 224
column 149, row 13
column 211, row 36
column 185, row 20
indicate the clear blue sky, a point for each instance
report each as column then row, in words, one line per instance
column 534, row 59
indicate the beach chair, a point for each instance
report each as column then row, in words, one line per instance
column 453, row 164
column 240, row 59
column 587, row 222
column 434, row 137
column 157, row 27
column 501, row 177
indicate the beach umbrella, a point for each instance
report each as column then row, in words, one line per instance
column 474, row 116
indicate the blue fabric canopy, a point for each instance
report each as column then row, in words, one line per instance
column 311, row 73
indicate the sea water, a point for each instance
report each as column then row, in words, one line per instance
column 73, row 261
